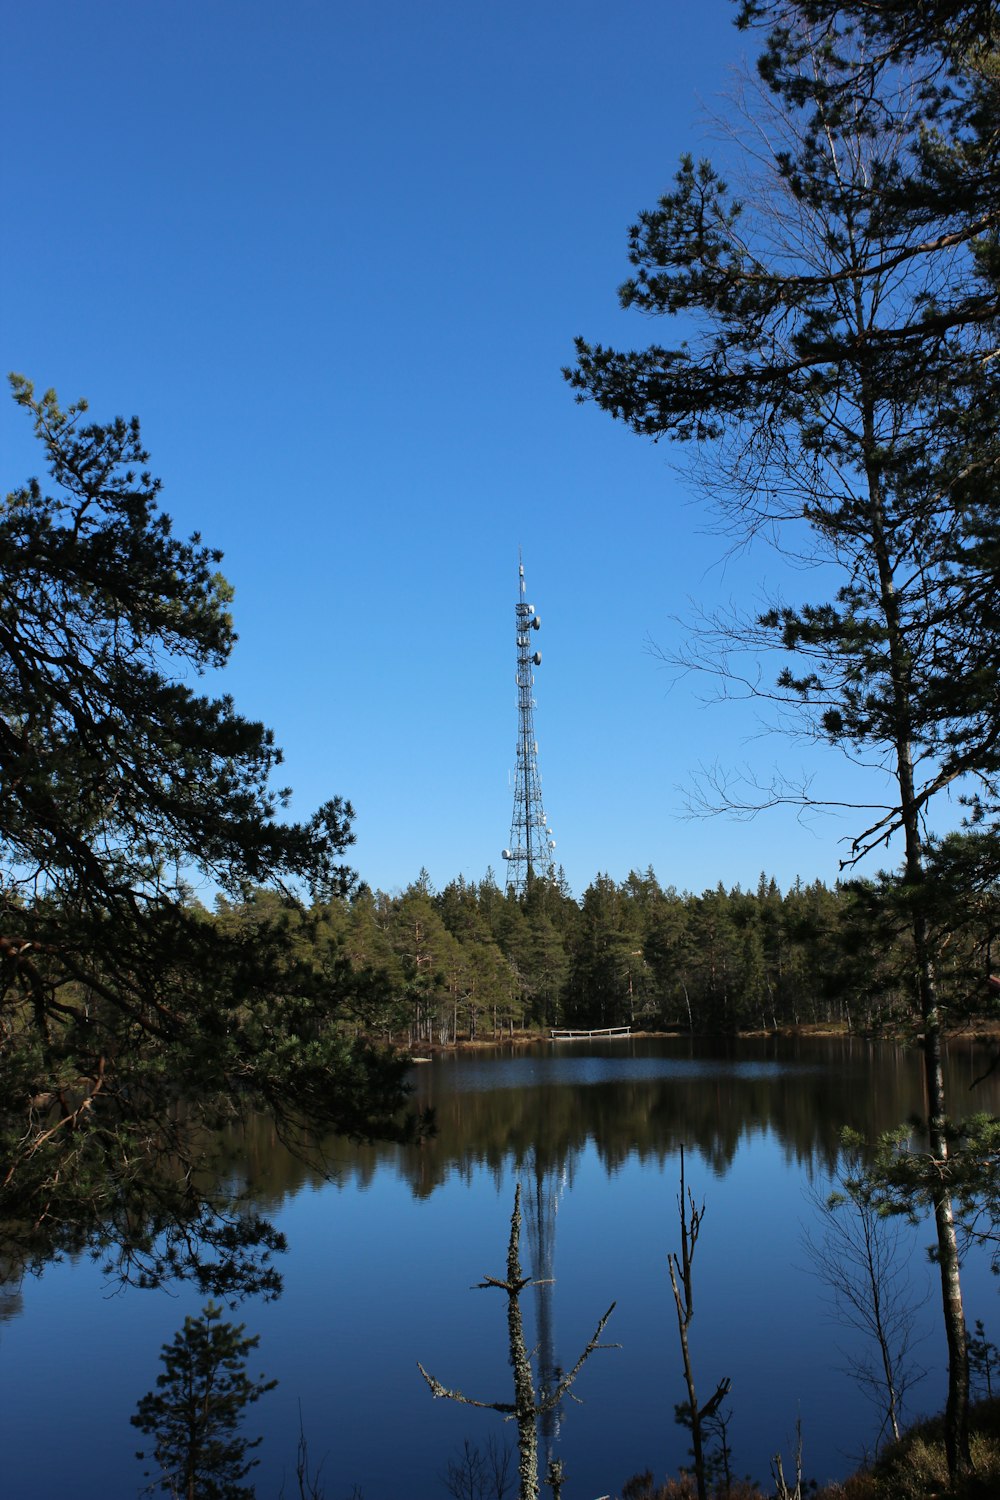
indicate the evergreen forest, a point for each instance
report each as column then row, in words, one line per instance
column 474, row 963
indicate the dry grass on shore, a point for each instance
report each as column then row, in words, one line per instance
column 912, row 1469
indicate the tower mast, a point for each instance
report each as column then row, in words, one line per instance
column 531, row 841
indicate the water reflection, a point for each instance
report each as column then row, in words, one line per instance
column 539, row 1109
column 542, row 1186
column 11, row 1302
column 379, row 1264
column 532, row 1115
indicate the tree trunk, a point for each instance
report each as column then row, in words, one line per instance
column 956, row 1428
column 525, row 1407
column 957, row 1406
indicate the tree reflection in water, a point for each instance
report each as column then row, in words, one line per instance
column 381, row 1251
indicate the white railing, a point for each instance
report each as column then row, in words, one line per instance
column 566, row 1035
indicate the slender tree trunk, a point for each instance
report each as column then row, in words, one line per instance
column 956, row 1430
column 683, row 1290
column 957, row 1405
column 902, row 700
column 525, row 1406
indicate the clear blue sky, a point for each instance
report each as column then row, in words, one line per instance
column 334, row 257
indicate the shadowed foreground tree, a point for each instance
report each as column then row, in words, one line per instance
column 841, row 322
column 933, row 36
column 130, row 1024
column 527, row 1405
column 194, row 1414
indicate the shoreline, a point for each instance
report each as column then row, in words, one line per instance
column 984, row 1033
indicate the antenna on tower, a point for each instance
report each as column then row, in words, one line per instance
column 531, row 840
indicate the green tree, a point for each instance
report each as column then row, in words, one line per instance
column 429, row 961
column 842, row 326
column 481, row 976
column 817, row 933
column 509, row 925
column 670, row 951
column 600, row 988
column 132, row 1022
column 717, row 963
column 544, row 963
column 194, row 1414
column 929, row 38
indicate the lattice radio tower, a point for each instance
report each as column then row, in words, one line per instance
column 531, row 842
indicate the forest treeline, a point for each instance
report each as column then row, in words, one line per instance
column 471, row 961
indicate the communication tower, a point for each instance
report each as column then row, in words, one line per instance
column 531, row 842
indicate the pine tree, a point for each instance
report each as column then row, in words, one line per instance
column 131, row 1022
column 841, row 366
column 194, row 1414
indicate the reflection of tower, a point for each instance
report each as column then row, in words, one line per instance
column 531, row 842
column 541, row 1201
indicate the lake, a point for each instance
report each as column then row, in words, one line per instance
column 384, row 1254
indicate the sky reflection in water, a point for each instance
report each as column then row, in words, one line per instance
column 558, row 1068
column 381, row 1264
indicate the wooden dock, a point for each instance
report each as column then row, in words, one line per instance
column 566, row 1035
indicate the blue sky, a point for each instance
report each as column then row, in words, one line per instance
column 334, row 257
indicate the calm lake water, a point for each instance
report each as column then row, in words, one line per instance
column 383, row 1257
